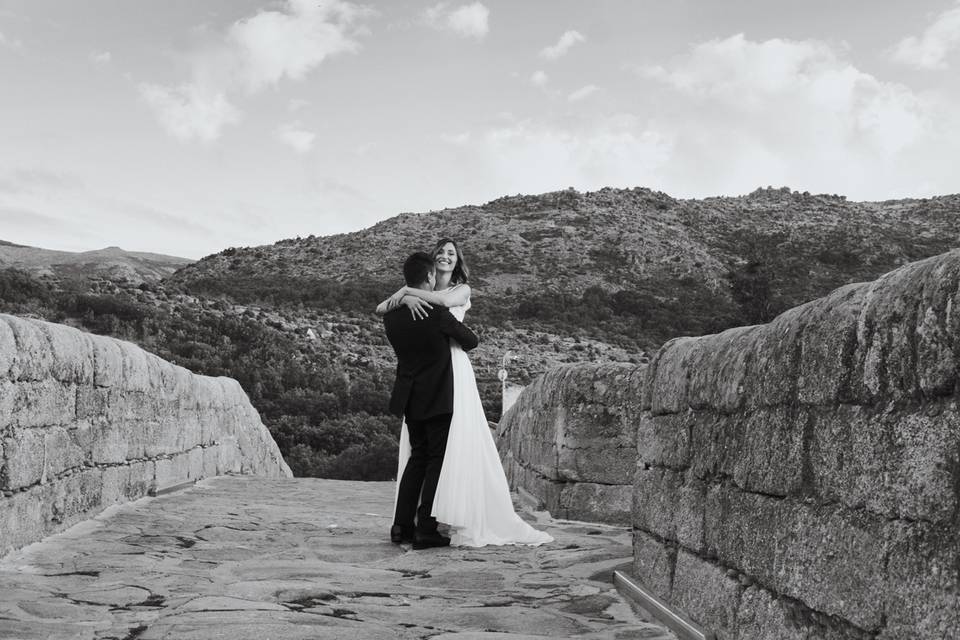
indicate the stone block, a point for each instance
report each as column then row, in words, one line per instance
column 70, row 499
column 763, row 615
column 137, row 368
column 8, row 348
column 775, row 361
column 653, row 563
column 719, row 369
column 670, row 506
column 827, row 347
column 24, row 456
column 107, row 361
column 105, row 443
column 72, row 356
column 592, row 502
column 897, row 464
column 922, row 573
column 670, row 375
column 62, row 452
column 706, row 593
column 21, row 519
column 172, row 471
column 830, row 559
column 195, row 468
column 886, row 358
column 42, row 403
column 229, row 456
column 664, row 440
column 93, row 403
column 761, row 450
column 545, row 490
column 211, row 460
column 938, row 325
column 33, row 355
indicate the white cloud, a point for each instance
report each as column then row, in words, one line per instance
column 539, row 78
column 456, row 138
column 273, row 45
column 100, row 57
column 583, row 92
column 929, row 50
column 297, row 104
column 189, row 112
column 567, row 40
column 745, row 113
column 469, row 20
column 532, row 156
column 296, row 137
column 10, row 43
column 253, row 54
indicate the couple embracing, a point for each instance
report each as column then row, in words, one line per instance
column 449, row 469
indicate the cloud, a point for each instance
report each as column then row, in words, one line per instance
column 190, row 111
column 743, row 113
column 539, row 78
column 255, row 53
column 100, row 57
column 567, row 40
column 469, row 20
column 273, row 45
column 297, row 104
column 929, row 50
column 293, row 135
column 582, row 92
column 10, row 43
column 456, row 138
column 532, row 156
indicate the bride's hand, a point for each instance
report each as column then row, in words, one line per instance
column 418, row 308
column 394, row 301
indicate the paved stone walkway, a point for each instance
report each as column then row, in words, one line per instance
column 241, row 557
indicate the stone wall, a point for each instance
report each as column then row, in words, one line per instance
column 87, row 421
column 569, row 442
column 801, row 479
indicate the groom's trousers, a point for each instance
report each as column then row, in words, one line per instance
column 428, row 442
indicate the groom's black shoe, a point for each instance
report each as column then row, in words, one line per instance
column 429, row 540
column 399, row 535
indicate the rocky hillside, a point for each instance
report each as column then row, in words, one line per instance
column 112, row 263
column 670, row 266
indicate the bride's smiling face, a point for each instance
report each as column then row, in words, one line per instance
column 446, row 258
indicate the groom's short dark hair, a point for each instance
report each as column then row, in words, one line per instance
column 417, row 268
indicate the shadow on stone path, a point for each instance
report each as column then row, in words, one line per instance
column 242, row 557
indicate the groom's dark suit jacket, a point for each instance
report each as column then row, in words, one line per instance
column 424, row 386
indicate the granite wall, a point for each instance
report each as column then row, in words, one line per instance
column 87, row 421
column 801, row 479
column 569, row 441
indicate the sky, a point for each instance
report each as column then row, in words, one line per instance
column 188, row 126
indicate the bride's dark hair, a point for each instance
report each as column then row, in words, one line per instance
column 460, row 272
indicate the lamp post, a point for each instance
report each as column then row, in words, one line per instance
column 506, row 400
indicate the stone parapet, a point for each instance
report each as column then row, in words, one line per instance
column 569, row 440
column 87, row 421
column 801, row 479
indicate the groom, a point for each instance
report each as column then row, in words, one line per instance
column 423, row 394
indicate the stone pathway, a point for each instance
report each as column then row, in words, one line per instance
column 242, row 557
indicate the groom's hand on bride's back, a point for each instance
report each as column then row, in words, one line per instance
column 418, row 308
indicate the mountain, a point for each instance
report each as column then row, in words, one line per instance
column 112, row 263
column 557, row 277
column 677, row 266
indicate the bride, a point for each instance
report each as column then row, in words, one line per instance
column 473, row 496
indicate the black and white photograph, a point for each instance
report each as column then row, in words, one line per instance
column 479, row 320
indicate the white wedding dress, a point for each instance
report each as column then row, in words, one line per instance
column 473, row 496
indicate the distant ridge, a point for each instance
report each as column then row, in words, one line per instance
column 112, row 263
